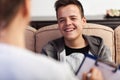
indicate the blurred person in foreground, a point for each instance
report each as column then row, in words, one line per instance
column 17, row 63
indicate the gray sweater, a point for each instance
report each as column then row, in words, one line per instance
column 56, row 50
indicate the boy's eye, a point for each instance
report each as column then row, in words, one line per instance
column 73, row 18
column 61, row 20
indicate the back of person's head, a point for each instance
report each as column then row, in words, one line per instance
column 8, row 10
column 14, row 18
column 62, row 3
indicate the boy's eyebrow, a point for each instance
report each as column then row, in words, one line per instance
column 69, row 16
column 60, row 18
column 73, row 16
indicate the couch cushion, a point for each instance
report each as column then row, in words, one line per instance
column 30, row 38
column 104, row 32
column 117, row 44
column 47, row 33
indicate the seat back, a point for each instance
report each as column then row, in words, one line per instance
column 46, row 34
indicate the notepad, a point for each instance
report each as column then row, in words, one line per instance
column 108, row 72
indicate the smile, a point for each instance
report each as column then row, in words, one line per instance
column 69, row 29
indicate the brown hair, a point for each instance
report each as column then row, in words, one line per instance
column 61, row 3
column 8, row 10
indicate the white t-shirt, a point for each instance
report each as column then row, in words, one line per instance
column 21, row 64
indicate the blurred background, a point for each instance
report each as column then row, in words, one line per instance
column 43, row 12
column 91, row 7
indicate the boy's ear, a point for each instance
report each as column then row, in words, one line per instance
column 83, row 20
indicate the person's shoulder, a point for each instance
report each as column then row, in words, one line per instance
column 42, row 67
column 93, row 38
column 58, row 40
column 29, row 65
column 51, row 69
column 56, row 43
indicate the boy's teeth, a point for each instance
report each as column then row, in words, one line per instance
column 69, row 30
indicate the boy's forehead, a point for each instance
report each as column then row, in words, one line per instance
column 70, row 10
column 70, row 7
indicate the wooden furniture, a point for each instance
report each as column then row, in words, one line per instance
column 38, row 22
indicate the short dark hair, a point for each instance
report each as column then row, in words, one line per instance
column 61, row 3
column 8, row 10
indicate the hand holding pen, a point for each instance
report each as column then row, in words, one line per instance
column 93, row 74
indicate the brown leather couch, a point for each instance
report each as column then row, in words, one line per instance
column 36, row 39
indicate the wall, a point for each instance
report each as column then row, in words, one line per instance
column 91, row 7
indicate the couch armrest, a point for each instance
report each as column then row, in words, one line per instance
column 30, row 38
